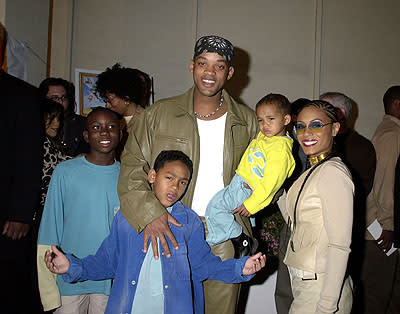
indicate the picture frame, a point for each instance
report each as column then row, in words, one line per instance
column 86, row 98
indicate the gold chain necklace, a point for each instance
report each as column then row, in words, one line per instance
column 205, row 116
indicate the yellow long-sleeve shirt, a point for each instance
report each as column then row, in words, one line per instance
column 265, row 165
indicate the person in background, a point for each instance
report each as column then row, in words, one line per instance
column 147, row 92
column 126, row 92
column 396, row 214
column 63, row 92
column 53, row 148
column 319, row 208
column 21, row 164
column 210, row 127
column 380, row 273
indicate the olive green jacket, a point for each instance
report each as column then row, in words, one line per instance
column 170, row 124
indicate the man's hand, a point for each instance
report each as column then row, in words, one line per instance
column 159, row 228
column 385, row 241
column 56, row 261
column 254, row 264
column 241, row 210
column 15, row 230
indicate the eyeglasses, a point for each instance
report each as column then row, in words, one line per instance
column 58, row 98
column 313, row 126
column 108, row 99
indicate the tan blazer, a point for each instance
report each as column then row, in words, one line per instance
column 322, row 236
column 380, row 202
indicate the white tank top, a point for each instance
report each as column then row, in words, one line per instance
column 210, row 176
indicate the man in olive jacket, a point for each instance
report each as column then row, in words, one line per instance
column 188, row 122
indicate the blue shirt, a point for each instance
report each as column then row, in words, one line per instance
column 149, row 296
column 120, row 257
column 80, row 205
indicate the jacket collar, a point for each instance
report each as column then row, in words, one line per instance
column 179, row 212
column 391, row 118
column 185, row 102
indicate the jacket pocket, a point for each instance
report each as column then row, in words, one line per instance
column 165, row 142
column 181, row 263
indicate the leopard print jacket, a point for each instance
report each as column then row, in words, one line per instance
column 51, row 158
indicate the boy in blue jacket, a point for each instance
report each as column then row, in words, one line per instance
column 143, row 284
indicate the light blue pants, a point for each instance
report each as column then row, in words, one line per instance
column 220, row 221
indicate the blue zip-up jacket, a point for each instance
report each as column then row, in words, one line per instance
column 120, row 257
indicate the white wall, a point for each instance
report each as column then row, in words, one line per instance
column 61, row 38
column 150, row 35
column 298, row 48
column 360, row 54
column 2, row 11
column 27, row 20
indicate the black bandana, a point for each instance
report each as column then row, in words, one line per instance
column 214, row 44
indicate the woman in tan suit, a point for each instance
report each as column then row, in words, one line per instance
column 320, row 215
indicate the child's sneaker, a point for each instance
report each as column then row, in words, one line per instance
column 244, row 245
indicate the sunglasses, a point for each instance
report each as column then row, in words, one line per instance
column 313, row 126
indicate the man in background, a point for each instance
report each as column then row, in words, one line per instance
column 20, row 162
column 380, row 273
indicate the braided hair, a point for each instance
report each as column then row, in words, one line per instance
column 326, row 107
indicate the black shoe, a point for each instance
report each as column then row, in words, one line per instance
column 244, row 245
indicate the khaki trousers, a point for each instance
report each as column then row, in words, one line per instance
column 83, row 304
column 306, row 295
column 219, row 297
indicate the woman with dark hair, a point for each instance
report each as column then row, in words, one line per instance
column 126, row 91
column 53, row 148
column 320, row 215
column 63, row 92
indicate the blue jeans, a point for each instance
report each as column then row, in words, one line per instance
column 220, row 221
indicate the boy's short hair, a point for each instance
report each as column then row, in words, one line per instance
column 172, row 155
column 280, row 101
column 97, row 109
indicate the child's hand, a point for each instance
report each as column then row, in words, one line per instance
column 254, row 264
column 56, row 261
column 241, row 210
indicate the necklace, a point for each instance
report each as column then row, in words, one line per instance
column 205, row 116
column 316, row 159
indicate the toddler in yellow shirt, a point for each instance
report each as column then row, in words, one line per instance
column 264, row 167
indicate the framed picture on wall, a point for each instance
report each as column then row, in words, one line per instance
column 86, row 98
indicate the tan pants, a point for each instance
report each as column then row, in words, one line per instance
column 83, row 304
column 219, row 297
column 306, row 295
